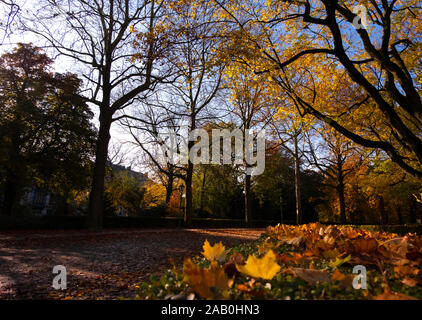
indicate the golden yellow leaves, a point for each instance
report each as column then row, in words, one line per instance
column 210, row 283
column 341, row 245
column 215, row 252
column 314, row 258
column 265, row 267
column 339, row 261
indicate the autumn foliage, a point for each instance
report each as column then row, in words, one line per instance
column 312, row 261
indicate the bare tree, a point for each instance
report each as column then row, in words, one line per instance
column 96, row 35
column 10, row 9
column 199, row 73
column 330, row 156
column 145, row 127
column 250, row 99
column 288, row 134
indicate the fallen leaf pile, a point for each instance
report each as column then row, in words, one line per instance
column 307, row 262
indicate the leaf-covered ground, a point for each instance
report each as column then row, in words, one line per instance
column 312, row 261
column 100, row 265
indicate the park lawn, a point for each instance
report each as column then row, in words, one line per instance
column 312, row 261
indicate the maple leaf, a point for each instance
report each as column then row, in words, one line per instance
column 265, row 267
column 362, row 245
column 210, row 283
column 215, row 252
column 312, row 276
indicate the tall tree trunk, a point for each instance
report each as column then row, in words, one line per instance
column 299, row 217
column 248, row 200
column 96, row 197
column 10, row 190
column 340, row 190
column 201, row 203
column 169, row 189
column 189, row 207
column 342, row 203
column 189, row 174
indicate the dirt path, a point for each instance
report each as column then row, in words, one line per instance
column 100, row 265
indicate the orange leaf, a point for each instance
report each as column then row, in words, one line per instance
column 410, row 282
column 404, row 270
column 243, row 287
column 389, row 295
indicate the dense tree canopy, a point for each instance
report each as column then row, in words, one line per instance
column 46, row 133
column 335, row 84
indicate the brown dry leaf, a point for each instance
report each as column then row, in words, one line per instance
column 405, row 270
column 296, row 241
column 402, row 262
column 362, row 245
column 389, row 295
column 312, row 276
column 403, row 247
column 345, row 280
column 331, row 254
column 230, row 266
column 328, row 239
column 317, row 248
column 410, row 282
column 351, row 233
column 295, row 257
column 363, row 259
column 284, row 258
column 230, row 269
column 330, row 232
